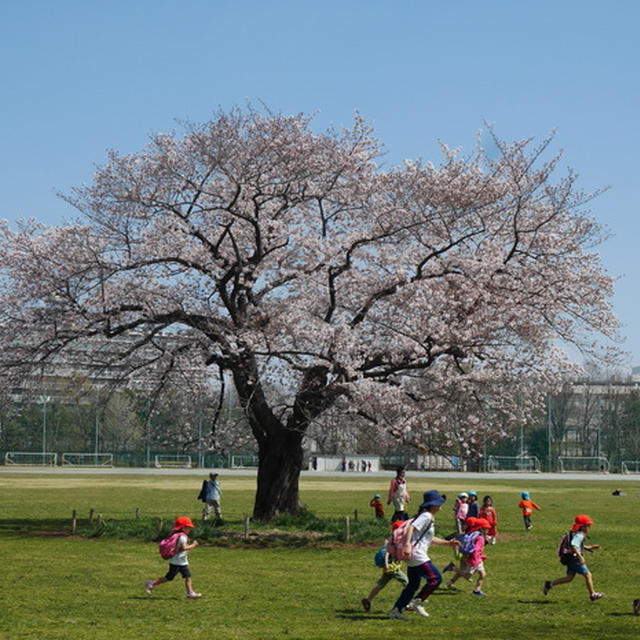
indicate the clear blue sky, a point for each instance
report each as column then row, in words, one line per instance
column 79, row 78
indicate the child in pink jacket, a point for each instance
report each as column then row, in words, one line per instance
column 473, row 563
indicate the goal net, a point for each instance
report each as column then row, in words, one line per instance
column 87, row 459
column 173, row 461
column 244, row 461
column 513, row 463
column 40, row 459
column 587, row 464
column 630, row 466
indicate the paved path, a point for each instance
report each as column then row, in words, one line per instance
column 448, row 475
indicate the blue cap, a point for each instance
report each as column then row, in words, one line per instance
column 432, row 499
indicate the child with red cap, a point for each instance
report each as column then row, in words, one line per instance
column 472, row 562
column 577, row 564
column 178, row 563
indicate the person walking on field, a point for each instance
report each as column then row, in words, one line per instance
column 575, row 557
column 178, row 563
column 419, row 537
column 398, row 495
column 210, row 494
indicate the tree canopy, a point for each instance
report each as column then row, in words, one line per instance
column 427, row 300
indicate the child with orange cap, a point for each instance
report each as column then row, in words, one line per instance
column 578, row 534
column 178, row 563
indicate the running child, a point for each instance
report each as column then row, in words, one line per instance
column 527, row 505
column 472, row 563
column 178, row 563
column 576, row 563
column 420, row 536
column 391, row 570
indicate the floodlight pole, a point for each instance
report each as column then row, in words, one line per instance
column 44, row 400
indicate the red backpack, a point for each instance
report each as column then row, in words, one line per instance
column 167, row 547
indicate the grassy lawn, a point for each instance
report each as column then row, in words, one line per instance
column 58, row 586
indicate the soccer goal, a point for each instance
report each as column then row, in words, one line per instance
column 29, row 458
column 568, row 464
column 630, row 466
column 529, row 464
column 87, row 459
column 173, row 461
column 244, row 461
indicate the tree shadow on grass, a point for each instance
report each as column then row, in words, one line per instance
column 42, row 527
column 536, row 602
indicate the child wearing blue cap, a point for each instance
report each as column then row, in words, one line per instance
column 527, row 505
column 419, row 537
column 376, row 503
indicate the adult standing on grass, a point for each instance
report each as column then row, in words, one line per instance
column 575, row 561
column 399, row 495
column 178, row 563
column 210, row 494
column 420, row 536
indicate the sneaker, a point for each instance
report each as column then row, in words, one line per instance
column 416, row 605
column 636, row 606
column 449, row 567
column 193, row 595
column 546, row 587
column 394, row 614
column 596, row 596
column 148, row 586
column 366, row 604
column 479, row 593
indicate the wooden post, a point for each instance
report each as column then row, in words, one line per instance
column 246, row 527
column 137, row 513
column 74, row 522
column 91, row 515
column 355, row 516
column 100, row 521
column 347, row 534
column 160, row 523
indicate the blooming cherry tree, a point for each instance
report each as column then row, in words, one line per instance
column 421, row 296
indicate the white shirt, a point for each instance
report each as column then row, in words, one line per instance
column 423, row 523
column 181, row 557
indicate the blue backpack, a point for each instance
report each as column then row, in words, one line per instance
column 378, row 558
column 467, row 542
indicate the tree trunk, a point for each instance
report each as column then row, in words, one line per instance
column 278, row 473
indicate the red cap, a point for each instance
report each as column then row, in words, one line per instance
column 183, row 522
column 480, row 523
column 396, row 524
column 580, row 521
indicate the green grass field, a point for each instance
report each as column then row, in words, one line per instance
column 58, row 586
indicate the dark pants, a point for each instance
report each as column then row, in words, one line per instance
column 431, row 574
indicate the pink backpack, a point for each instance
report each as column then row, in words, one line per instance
column 395, row 546
column 167, row 547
